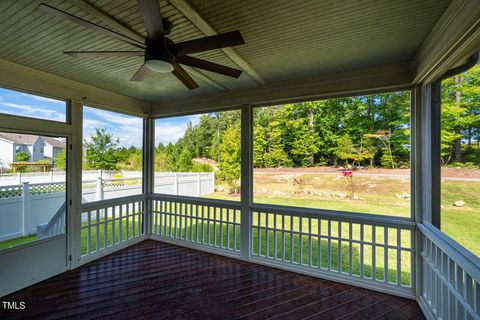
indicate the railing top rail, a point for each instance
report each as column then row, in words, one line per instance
column 111, row 202
column 45, row 183
column 11, row 186
column 197, row 200
column 464, row 258
column 356, row 217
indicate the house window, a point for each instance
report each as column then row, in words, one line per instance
column 349, row 154
column 460, row 158
column 199, row 155
column 32, row 106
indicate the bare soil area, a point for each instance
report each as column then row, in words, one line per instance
column 470, row 173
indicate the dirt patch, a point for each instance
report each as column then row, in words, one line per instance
column 470, row 173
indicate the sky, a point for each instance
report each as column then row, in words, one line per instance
column 127, row 129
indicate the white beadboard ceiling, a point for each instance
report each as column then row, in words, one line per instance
column 285, row 39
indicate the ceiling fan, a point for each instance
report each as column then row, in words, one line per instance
column 160, row 53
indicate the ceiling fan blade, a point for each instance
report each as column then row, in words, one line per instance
column 87, row 24
column 108, row 19
column 96, row 54
column 209, row 66
column 141, row 73
column 222, row 40
column 184, row 77
column 152, row 19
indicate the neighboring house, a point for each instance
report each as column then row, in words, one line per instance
column 39, row 148
column 53, row 147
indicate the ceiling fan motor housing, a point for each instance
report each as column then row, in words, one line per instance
column 158, row 57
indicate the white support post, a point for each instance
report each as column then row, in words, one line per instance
column 74, row 180
column 51, row 176
column 99, row 194
column 416, row 183
column 25, row 208
column 148, row 170
column 19, row 178
column 246, row 180
column 199, row 187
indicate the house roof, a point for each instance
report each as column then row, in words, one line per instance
column 56, row 143
column 19, row 138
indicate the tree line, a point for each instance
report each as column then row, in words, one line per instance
column 369, row 130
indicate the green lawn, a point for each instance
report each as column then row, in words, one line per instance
column 17, row 241
column 379, row 197
column 84, row 235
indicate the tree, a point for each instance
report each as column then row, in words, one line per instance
column 22, row 156
column 345, row 149
column 230, row 155
column 60, row 160
column 101, row 152
column 385, row 138
column 184, row 161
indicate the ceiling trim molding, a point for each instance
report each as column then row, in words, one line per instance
column 191, row 14
column 454, row 38
column 363, row 81
column 18, row 77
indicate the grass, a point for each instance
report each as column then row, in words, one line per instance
column 17, row 241
column 93, row 235
column 379, row 197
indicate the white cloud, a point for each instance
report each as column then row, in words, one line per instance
column 167, row 132
column 34, row 111
column 43, row 99
column 128, row 130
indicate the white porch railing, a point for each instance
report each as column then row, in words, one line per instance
column 212, row 224
column 450, row 287
column 55, row 226
column 110, row 225
column 374, row 251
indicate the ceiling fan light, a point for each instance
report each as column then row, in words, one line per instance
column 159, row 66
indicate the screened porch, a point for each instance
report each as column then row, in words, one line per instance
column 145, row 238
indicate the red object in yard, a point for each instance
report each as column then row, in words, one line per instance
column 347, row 173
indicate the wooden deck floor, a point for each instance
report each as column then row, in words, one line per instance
column 154, row 280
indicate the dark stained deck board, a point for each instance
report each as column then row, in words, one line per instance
column 155, row 280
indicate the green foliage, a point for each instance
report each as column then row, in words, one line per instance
column 184, row 161
column 22, row 157
column 202, row 167
column 60, row 160
column 345, row 149
column 230, row 154
column 461, row 117
column 101, row 152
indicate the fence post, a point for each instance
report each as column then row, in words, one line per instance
column 25, row 205
column 51, row 176
column 199, row 182
column 19, row 178
column 175, row 183
column 99, row 195
column 212, row 175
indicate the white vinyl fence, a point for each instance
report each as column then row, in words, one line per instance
column 26, row 206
